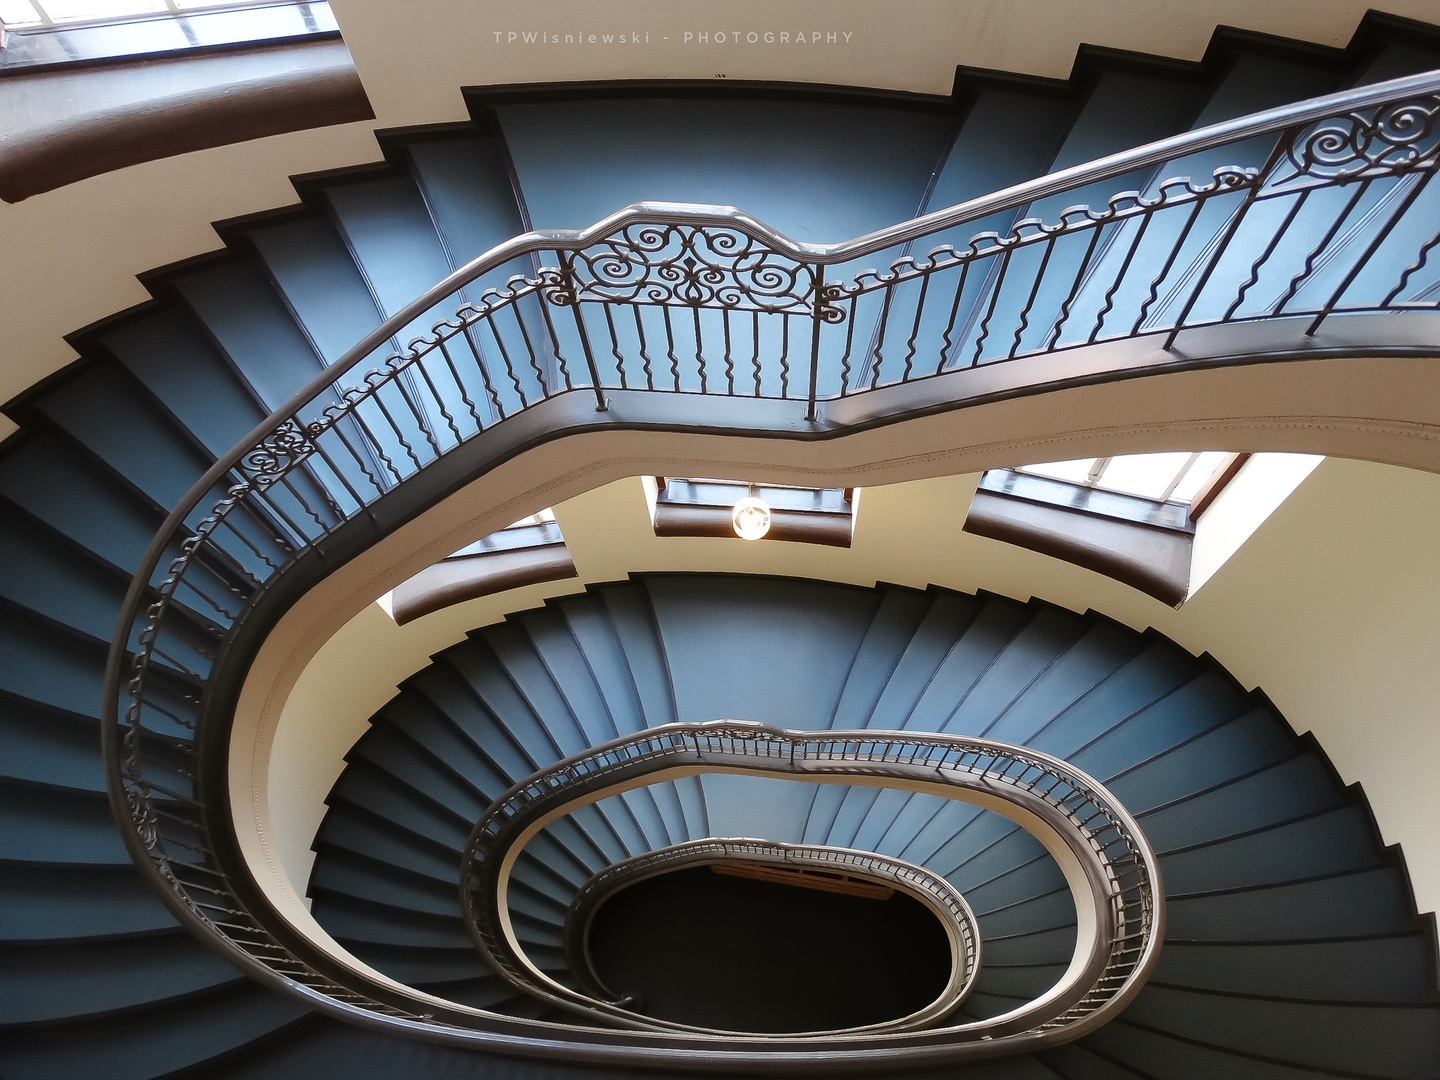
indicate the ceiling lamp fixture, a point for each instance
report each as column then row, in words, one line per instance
column 751, row 517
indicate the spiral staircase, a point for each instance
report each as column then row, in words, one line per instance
column 220, row 450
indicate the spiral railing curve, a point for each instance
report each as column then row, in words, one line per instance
column 1115, row 879
column 1304, row 217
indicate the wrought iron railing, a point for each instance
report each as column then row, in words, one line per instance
column 1121, row 913
column 1302, row 217
column 931, row 890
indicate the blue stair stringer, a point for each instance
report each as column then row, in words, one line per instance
column 99, row 980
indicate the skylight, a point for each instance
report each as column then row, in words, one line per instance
column 1174, row 477
column 36, row 14
column 47, row 33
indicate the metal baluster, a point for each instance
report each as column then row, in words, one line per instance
column 1030, row 300
column 530, row 347
column 567, row 262
column 1251, row 194
column 1120, row 276
column 877, row 346
column 729, row 360
column 990, row 310
column 615, row 346
column 670, row 347
column 1175, row 250
column 459, row 384
column 1421, row 256
column 699, row 348
column 1309, row 266
column 644, row 352
column 785, row 355
column 915, row 326
column 439, row 401
column 946, row 343
column 817, row 304
column 849, row 345
column 1364, row 259
column 505, row 356
column 1254, row 277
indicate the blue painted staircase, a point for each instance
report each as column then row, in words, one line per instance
column 1294, row 949
column 1292, row 945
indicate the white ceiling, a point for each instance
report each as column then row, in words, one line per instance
column 69, row 257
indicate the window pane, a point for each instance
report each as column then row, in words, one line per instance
column 71, row 10
column 534, row 519
column 1146, row 475
column 18, row 13
column 254, row 25
column 1077, row 471
column 1199, row 473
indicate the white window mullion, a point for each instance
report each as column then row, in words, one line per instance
column 1179, row 476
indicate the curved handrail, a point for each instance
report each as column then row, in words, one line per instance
column 1120, row 164
column 1343, row 170
column 1121, row 913
column 931, row 890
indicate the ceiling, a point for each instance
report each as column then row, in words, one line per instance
column 69, row 257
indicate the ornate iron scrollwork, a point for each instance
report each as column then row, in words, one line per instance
column 685, row 266
column 1390, row 140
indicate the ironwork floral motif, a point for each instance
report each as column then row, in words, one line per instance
column 684, row 266
column 289, row 445
column 1393, row 139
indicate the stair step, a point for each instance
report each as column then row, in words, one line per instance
column 167, row 1037
column 242, row 311
column 946, row 621
column 47, row 982
column 892, row 625
column 57, row 826
column 819, row 172
column 351, row 829
column 739, row 624
column 353, row 920
column 391, row 752
column 168, row 353
column 1367, row 902
column 1391, row 970
column 365, row 787
column 1375, row 1040
column 65, row 903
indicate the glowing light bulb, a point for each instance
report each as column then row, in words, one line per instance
column 751, row 518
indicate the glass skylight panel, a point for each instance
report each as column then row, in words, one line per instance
column 266, row 14
column 1150, row 476
column 1074, row 472
column 18, row 13
column 67, row 11
column 544, row 516
column 1189, row 485
column 1168, row 477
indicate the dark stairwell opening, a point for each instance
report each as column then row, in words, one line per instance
column 723, row 951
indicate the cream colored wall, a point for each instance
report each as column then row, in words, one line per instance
column 1330, row 608
column 413, row 67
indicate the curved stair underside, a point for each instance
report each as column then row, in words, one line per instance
column 1317, row 966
